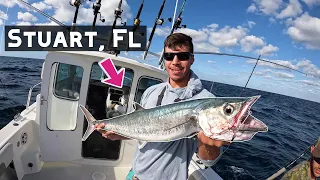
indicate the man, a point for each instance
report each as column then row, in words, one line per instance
column 306, row 170
column 170, row 160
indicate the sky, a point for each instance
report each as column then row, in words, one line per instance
column 286, row 32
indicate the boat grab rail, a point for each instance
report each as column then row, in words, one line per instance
column 30, row 91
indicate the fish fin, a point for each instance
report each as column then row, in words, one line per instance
column 141, row 144
column 90, row 120
column 137, row 106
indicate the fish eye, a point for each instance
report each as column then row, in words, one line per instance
column 228, row 109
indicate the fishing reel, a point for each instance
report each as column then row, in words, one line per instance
column 177, row 23
column 159, row 21
column 118, row 12
column 136, row 22
column 76, row 2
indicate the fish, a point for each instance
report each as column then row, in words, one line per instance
column 221, row 118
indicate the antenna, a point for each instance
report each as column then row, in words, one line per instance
column 158, row 21
column 175, row 26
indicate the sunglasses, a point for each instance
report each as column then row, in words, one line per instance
column 316, row 159
column 182, row 56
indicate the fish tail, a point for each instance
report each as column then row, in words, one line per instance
column 90, row 120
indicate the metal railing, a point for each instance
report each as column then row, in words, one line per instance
column 29, row 95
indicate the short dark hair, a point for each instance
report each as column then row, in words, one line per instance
column 178, row 40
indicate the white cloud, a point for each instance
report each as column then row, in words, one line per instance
column 213, row 62
column 212, row 38
column 1, row 22
column 252, row 8
column 272, row 20
column 309, row 82
column 267, row 50
column 65, row 13
column 3, row 15
column 251, row 24
column 311, row 3
column 248, row 43
column 12, row 3
column 284, row 75
column 22, row 23
column 293, row 9
column 197, row 36
column 41, row 5
column 272, row 65
column 204, row 46
column 268, row 7
column 305, row 29
column 309, row 68
column 165, row 31
column 26, row 17
column 227, row 36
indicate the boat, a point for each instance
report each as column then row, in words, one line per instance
column 44, row 141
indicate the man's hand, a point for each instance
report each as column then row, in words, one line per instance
column 210, row 142
column 108, row 134
column 209, row 149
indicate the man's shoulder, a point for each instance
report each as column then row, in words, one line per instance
column 300, row 171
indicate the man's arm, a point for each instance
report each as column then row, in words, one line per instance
column 209, row 150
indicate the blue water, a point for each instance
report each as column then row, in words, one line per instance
column 293, row 123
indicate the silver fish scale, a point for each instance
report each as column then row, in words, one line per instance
column 170, row 122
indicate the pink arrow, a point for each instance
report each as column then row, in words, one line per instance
column 115, row 78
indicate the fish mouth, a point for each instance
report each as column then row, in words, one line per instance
column 245, row 112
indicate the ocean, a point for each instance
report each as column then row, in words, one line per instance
column 293, row 123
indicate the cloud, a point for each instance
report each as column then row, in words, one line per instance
column 267, row 7
column 26, row 17
column 227, row 36
column 284, row 75
column 250, row 42
column 267, row 50
column 64, row 12
column 305, row 66
column 305, row 29
column 22, row 23
column 165, row 31
column 293, row 9
column 309, row 68
column 252, row 8
column 272, row 65
column 251, row 24
column 1, row 22
column 309, row 82
column 311, row 3
column 41, row 5
column 12, row 3
column 3, row 15
column 212, row 38
column 264, row 72
column 213, row 62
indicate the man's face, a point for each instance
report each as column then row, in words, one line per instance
column 316, row 169
column 178, row 70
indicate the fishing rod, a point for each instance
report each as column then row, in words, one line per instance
column 77, row 4
column 137, row 20
column 176, row 25
column 282, row 170
column 250, row 76
column 117, row 14
column 43, row 13
column 157, row 22
column 96, row 8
